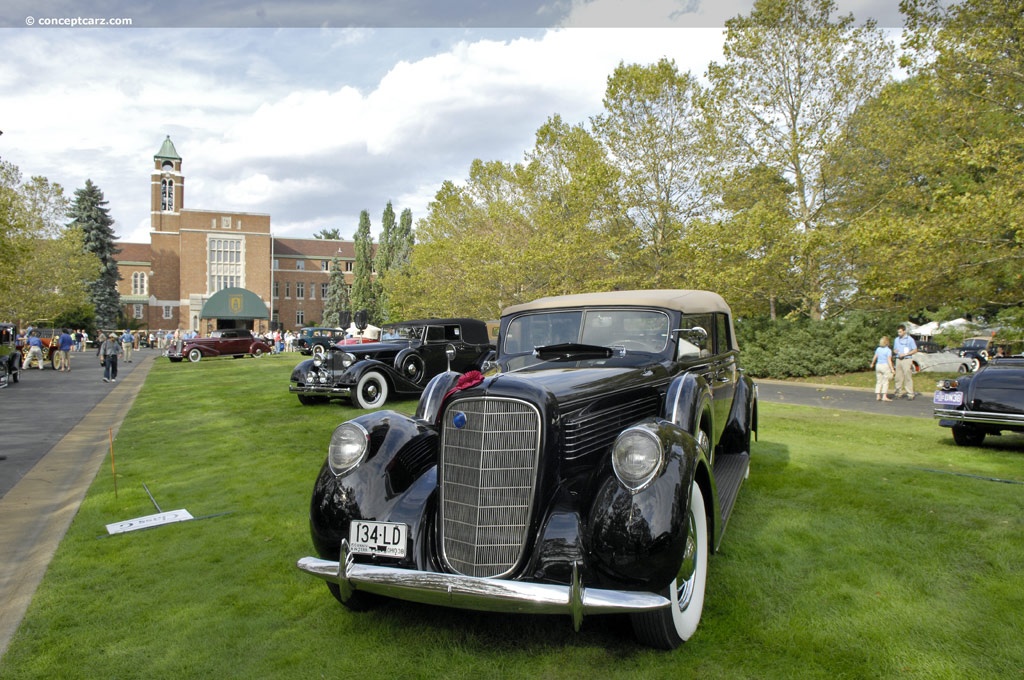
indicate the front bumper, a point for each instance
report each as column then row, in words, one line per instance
column 949, row 417
column 480, row 594
column 321, row 390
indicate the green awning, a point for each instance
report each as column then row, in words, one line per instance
column 235, row 303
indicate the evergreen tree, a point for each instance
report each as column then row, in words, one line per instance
column 403, row 241
column 362, row 284
column 382, row 261
column 337, row 296
column 90, row 214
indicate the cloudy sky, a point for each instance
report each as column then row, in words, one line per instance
column 312, row 111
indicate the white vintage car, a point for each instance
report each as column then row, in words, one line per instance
column 947, row 361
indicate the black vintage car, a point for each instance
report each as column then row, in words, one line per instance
column 317, row 339
column 407, row 356
column 10, row 356
column 592, row 470
column 990, row 401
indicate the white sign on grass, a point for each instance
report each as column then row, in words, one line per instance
column 149, row 521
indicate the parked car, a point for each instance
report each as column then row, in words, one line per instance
column 977, row 350
column 990, row 401
column 233, row 342
column 941, row 362
column 317, row 339
column 407, row 356
column 47, row 336
column 10, row 356
column 592, row 470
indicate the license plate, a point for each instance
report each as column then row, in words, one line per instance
column 378, row 538
column 949, row 398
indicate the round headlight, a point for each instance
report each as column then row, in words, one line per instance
column 347, row 359
column 318, row 360
column 636, row 457
column 349, row 444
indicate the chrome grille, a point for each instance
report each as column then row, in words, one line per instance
column 488, row 472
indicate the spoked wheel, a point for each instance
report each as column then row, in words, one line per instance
column 413, row 368
column 668, row 628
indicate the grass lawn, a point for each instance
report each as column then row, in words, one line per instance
column 861, row 547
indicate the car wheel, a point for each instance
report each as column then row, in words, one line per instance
column 413, row 368
column 967, row 435
column 963, row 368
column 975, row 364
column 668, row 628
column 257, row 352
column 371, row 391
column 319, row 351
column 308, row 400
column 194, row 355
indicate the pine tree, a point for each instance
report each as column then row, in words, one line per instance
column 90, row 214
column 382, row 261
column 362, row 283
column 403, row 241
column 337, row 296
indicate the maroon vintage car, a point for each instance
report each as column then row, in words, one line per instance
column 228, row 342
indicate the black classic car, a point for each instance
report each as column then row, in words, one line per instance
column 317, row 339
column 408, row 355
column 990, row 401
column 10, row 356
column 590, row 469
column 228, row 342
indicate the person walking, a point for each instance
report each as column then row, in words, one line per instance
column 882, row 363
column 108, row 352
column 127, row 345
column 905, row 348
column 64, row 344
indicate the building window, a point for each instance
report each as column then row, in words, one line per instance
column 300, row 318
column 312, row 291
column 348, row 266
column 323, row 290
column 167, row 194
column 325, row 265
column 137, row 311
column 287, row 289
column 139, row 284
column 300, row 265
column 300, row 290
column 275, row 264
column 225, row 264
column 277, row 289
column 168, row 312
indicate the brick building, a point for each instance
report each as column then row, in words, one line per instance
column 195, row 254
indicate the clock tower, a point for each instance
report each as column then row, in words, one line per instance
column 167, row 191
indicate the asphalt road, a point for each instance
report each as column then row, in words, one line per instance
column 44, row 406
column 849, row 398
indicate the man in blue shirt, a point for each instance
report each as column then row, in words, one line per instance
column 64, row 345
column 904, row 348
column 35, row 350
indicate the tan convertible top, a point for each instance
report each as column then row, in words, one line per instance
column 687, row 301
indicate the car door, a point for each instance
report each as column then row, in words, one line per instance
column 723, row 372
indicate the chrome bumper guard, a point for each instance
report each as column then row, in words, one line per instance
column 982, row 417
column 480, row 594
column 320, row 389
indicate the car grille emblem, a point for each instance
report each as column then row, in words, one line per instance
column 459, row 420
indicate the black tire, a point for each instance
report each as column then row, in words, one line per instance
column 257, row 352
column 194, row 355
column 413, row 368
column 175, row 360
column 967, row 435
column 670, row 627
column 371, row 391
column 963, row 368
column 975, row 364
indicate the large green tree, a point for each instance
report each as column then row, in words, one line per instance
column 337, row 300
column 43, row 265
column 653, row 129
column 792, row 76
column 362, row 282
column 91, row 216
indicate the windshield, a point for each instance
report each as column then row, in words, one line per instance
column 634, row 330
column 402, row 333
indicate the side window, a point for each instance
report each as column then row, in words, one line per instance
column 452, row 333
column 688, row 349
column 435, row 334
column 722, row 340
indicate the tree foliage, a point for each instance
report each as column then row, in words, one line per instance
column 43, row 264
column 328, row 234
column 91, row 217
column 362, row 283
column 337, row 300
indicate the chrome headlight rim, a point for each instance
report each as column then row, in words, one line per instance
column 349, row 444
column 346, row 359
column 638, row 456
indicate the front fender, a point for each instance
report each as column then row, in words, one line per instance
column 637, row 539
column 392, row 484
column 204, row 350
column 685, row 401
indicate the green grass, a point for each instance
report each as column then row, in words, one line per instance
column 853, row 553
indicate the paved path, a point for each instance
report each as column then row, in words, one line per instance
column 848, row 398
column 55, row 431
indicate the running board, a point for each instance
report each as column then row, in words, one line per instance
column 730, row 471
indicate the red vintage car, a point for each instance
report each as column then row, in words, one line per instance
column 228, row 342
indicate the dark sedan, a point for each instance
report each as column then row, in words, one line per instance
column 590, row 469
column 407, row 356
column 988, row 402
